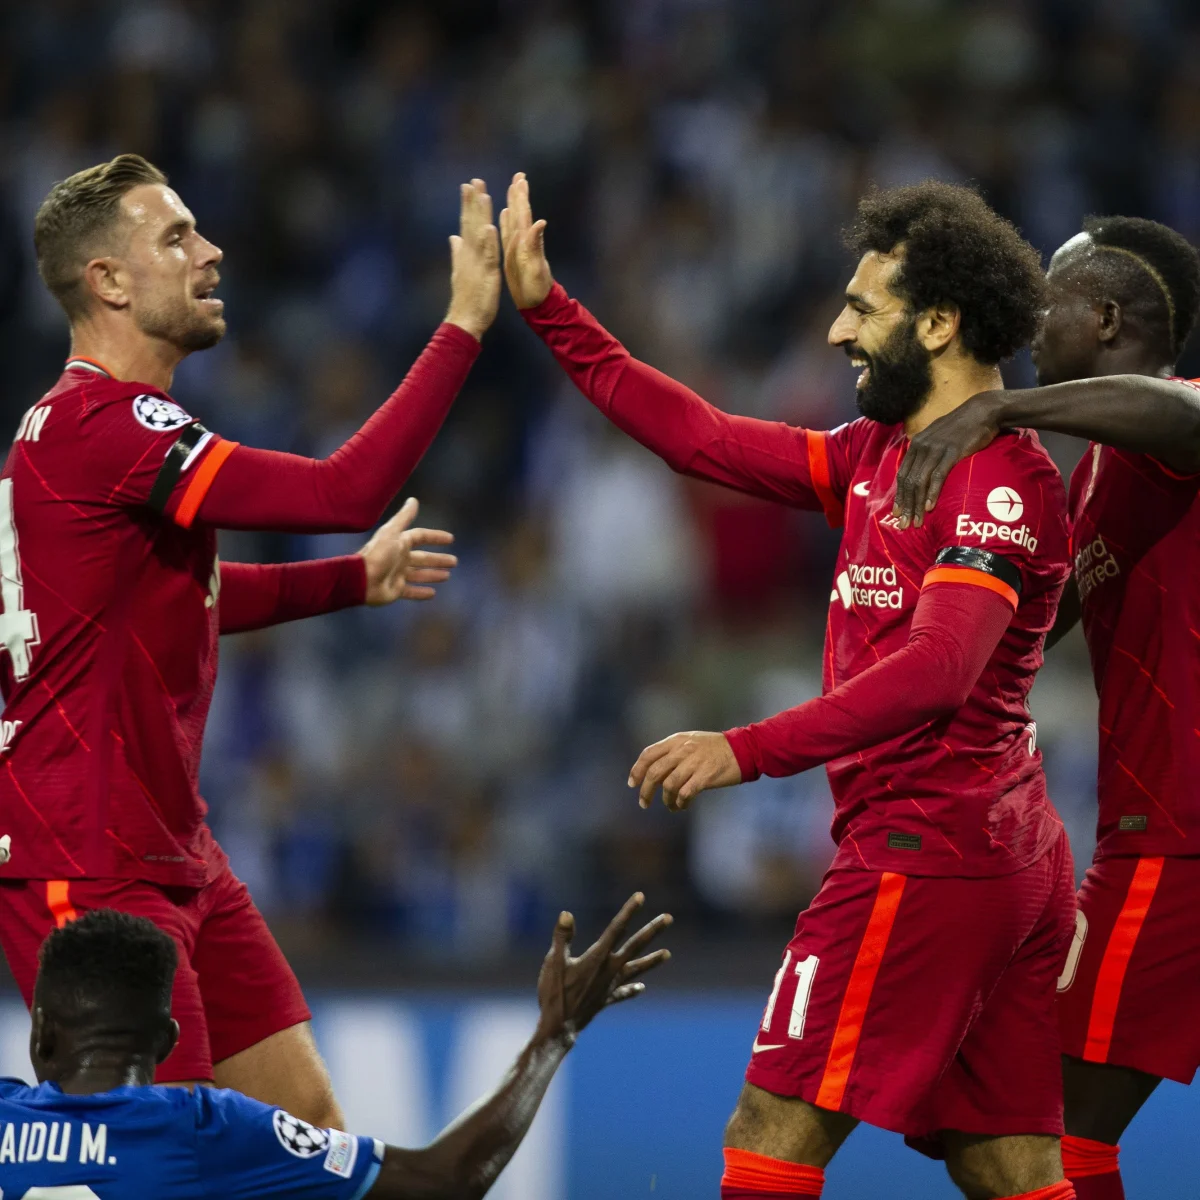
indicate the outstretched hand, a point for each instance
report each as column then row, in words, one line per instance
column 525, row 265
column 685, row 764
column 571, row 991
column 936, row 449
column 396, row 569
column 474, row 263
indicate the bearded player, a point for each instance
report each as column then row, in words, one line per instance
column 1123, row 297
column 113, row 601
column 918, row 991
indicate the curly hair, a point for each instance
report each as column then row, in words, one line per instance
column 957, row 251
column 1155, row 276
column 107, row 962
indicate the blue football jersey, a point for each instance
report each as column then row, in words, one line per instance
column 158, row 1143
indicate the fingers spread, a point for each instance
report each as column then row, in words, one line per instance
column 644, row 936
column 639, row 966
column 608, row 939
column 625, row 992
column 564, row 931
column 424, row 558
column 429, row 537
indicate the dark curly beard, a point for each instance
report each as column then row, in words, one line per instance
column 900, row 379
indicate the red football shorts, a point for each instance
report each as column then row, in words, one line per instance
column 1130, row 992
column 233, row 987
column 920, row 1004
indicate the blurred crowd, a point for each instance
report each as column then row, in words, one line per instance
column 446, row 775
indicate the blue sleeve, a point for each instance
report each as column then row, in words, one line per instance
column 246, row 1150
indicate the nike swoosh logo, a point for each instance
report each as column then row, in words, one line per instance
column 861, row 489
column 756, row 1048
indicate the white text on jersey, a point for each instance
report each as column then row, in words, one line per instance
column 32, row 423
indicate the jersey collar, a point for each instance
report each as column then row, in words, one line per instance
column 87, row 364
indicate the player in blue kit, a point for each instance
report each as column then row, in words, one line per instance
column 97, row 1129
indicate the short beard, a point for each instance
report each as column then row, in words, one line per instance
column 900, row 379
column 186, row 331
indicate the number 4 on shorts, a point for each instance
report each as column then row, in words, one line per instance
column 806, row 972
column 18, row 625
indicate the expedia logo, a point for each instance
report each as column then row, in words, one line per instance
column 1094, row 563
column 868, row 587
column 1006, row 507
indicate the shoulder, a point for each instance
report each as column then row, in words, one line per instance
column 151, row 408
column 13, row 1090
column 1015, row 456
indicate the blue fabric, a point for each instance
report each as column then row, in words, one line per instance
column 155, row 1143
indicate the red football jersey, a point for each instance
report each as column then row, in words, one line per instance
column 110, row 629
column 1136, row 541
column 964, row 795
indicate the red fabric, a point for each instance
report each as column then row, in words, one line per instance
column 233, row 987
column 955, row 631
column 1100, row 1187
column 964, row 782
column 1150, row 1023
column 762, row 1178
column 1083, row 1157
column 942, row 1041
column 255, row 595
column 349, row 490
column 1136, row 541
column 1056, row 1191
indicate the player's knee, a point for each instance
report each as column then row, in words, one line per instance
column 786, row 1127
column 986, row 1167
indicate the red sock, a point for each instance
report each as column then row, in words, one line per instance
column 1092, row 1167
column 1056, row 1191
column 750, row 1176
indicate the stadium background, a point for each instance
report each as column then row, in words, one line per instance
column 412, row 794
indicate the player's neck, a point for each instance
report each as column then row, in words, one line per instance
column 101, row 1072
column 1131, row 358
column 953, row 384
column 127, row 353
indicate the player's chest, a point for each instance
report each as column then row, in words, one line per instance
column 880, row 566
column 1130, row 521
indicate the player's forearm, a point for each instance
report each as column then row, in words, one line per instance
column 955, row 632
column 256, row 595
column 764, row 458
column 349, row 490
column 1160, row 417
column 464, row 1160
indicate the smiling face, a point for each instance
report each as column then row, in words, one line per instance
column 877, row 330
column 168, row 271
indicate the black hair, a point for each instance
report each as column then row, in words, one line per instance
column 957, row 251
column 106, row 965
column 1155, row 277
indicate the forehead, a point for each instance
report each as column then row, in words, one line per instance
column 873, row 276
column 1070, row 261
column 154, row 205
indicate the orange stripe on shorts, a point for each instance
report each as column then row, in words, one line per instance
column 58, row 901
column 206, row 472
column 1117, row 954
column 858, row 991
column 818, row 470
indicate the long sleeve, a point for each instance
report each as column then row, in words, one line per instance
column 349, row 490
column 955, row 630
column 255, row 595
column 769, row 459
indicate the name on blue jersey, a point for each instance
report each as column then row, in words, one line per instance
column 50, row 1141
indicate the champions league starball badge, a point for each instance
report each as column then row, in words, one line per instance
column 299, row 1137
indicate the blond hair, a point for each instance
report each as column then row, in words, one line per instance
column 75, row 218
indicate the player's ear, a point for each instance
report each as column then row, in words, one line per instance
column 1109, row 320
column 169, row 1039
column 938, row 326
column 41, row 1037
column 104, row 280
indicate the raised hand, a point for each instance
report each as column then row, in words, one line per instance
column 684, row 764
column 396, row 569
column 571, row 991
column 525, row 265
column 935, row 450
column 474, row 263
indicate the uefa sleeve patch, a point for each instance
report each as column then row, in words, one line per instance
column 343, row 1154
column 299, row 1137
column 159, row 415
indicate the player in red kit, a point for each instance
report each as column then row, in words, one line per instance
column 1123, row 298
column 918, row 991
column 113, row 600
